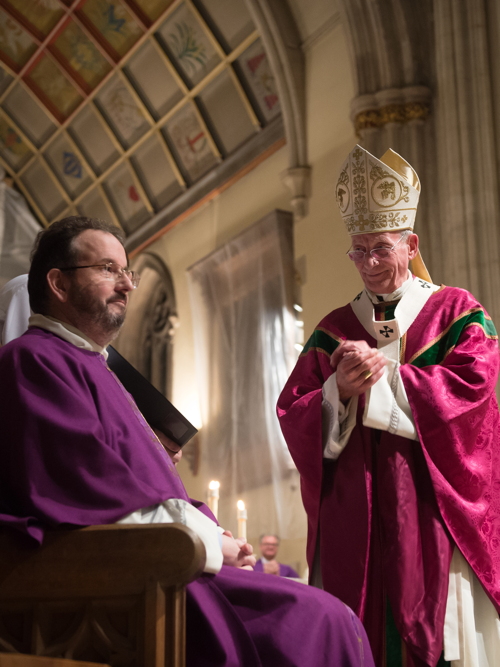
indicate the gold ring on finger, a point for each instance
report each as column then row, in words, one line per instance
column 367, row 375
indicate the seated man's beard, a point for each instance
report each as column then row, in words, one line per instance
column 111, row 321
column 96, row 311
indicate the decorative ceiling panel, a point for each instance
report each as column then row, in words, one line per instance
column 111, row 24
column 96, row 205
column 189, row 45
column 191, row 142
column 42, row 185
column 154, row 78
column 95, row 139
column 119, row 108
column 5, row 80
column 13, row 148
column 259, row 77
column 122, row 187
column 229, row 20
column 150, row 10
column 65, row 160
column 53, row 87
column 16, row 46
column 122, row 111
column 24, row 109
column 157, row 172
column 221, row 100
column 39, row 15
column 78, row 54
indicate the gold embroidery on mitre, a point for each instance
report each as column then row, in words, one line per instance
column 376, row 196
column 387, row 190
column 379, row 222
column 343, row 192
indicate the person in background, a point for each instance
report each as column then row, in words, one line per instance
column 267, row 563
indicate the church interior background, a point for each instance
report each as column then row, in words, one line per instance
column 212, row 133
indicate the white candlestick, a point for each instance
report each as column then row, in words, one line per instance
column 242, row 520
column 213, row 497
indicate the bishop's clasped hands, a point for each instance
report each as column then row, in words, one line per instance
column 358, row 367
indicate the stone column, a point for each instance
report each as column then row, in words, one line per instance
column 467, row 130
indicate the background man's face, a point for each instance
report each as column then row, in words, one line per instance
column 99, row 301
column 269, row 547
column 384, row 276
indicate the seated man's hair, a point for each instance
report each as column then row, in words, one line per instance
column 53, row 249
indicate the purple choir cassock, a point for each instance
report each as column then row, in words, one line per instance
column 76, row 451
column 390, row 510
column 285, row 570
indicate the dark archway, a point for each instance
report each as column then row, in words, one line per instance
column 146, row 339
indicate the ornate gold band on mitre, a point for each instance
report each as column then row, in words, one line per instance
column 379, row 195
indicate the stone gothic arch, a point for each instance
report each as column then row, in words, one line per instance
column 146, row 339
column 283, row 47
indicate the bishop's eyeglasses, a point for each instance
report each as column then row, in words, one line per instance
column 110, row 271
column 377, row 253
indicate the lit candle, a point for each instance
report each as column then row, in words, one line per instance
column 213, row 497
column 242, row 520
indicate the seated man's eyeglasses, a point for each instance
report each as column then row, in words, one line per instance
column 377, row 253
column 110, row 271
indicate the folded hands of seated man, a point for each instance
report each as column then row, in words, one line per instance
column 237, row 552
column 358, row 367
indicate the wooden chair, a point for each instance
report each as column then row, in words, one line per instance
column 23, row 660
column 111, row 594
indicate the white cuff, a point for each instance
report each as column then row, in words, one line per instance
column 176, row 510
column 338, row 420
column 387, row 407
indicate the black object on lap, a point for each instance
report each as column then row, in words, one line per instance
column 157, row 410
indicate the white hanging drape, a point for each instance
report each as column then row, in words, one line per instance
column 18, row 229
column 241, row 298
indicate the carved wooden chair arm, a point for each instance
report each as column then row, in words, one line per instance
column 100, row 561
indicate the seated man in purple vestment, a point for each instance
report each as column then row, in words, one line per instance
column 267, row 563
column 76, row 451
column 391, row 417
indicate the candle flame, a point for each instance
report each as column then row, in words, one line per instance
column 240, row 505
column 214, row 484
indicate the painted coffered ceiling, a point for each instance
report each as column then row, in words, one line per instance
column 121, row 109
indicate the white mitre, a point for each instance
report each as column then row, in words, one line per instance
column 379, row 195
column 376, row 196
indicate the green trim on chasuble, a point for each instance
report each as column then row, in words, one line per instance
column 436, row 351
column 323, row 341
column 385, row 311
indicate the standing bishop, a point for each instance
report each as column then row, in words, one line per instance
column 391, row 417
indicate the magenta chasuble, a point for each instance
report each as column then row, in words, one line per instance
column 389, row 510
